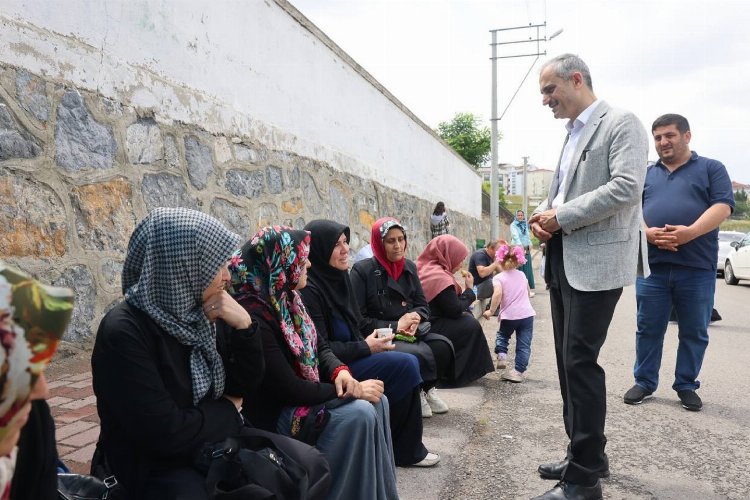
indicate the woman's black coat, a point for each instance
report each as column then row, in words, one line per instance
column 383, row 300
column 143, row 386
column 281, row 386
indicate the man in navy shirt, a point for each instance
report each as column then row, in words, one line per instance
column 685, row 198
column 482, row 266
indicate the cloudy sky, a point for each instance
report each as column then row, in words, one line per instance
column 649, row 56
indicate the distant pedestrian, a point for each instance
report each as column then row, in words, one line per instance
column 519, row 235
column 439, row 220
column 511, row 297
column 682, row 253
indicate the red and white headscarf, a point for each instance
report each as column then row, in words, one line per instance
column 379, row 230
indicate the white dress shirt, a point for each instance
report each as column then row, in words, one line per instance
column 574, row 128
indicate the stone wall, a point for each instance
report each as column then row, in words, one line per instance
column 78, row 170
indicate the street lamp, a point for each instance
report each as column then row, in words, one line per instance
column 494, row 209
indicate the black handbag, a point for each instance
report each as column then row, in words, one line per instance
column 82, row 487
column 423, row 328
column 251, row 467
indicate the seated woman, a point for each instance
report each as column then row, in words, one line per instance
column 440, row 260
column 33, row 318
column 171, row 361
column 304, row 378
column 389, row 295
column 331, row 304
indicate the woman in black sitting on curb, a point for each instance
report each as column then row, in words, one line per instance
column 389, row 295
column 172, row 361
column 331, row 304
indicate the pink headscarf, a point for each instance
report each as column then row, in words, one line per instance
column 436, row 263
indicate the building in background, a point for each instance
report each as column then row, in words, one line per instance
column 510, row 181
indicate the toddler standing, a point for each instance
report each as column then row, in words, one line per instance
column 511, row 295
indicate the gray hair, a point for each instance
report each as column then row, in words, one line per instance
column 567, row 64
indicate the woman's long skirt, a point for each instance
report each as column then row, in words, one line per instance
column 528, row 270
column 357, row 445
column 473, row 358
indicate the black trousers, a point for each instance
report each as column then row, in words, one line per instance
column 580, row 321
column 406, row 429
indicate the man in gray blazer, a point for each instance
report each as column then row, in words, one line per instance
column 591, row 223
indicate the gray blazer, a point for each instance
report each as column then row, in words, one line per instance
column 601, row 218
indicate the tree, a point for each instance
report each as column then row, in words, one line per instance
column 740, row 205
column 466, row 136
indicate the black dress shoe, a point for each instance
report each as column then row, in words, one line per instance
column 570, row 491
column 555, row 470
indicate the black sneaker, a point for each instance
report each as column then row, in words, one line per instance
column 637, row 395
column 690, row 400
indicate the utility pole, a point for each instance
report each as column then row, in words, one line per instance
column 494, row 205
column 494, row 208
column 525, row 188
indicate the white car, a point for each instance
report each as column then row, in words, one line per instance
column 737, row 264
column 725, row 238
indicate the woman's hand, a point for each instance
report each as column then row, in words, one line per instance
column 237, row 402
column 222, row 305
column 379, row 344
column 407, row 324
column 487, row 314
column 347, row 386
column 372, row 390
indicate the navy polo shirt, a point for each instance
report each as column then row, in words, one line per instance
column 680, row 198
column 479, row 258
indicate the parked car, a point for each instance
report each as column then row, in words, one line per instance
column 725, row 238
column 737, row 264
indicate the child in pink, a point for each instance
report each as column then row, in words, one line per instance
column 511, row 297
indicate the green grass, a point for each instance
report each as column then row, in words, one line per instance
column 741, row 225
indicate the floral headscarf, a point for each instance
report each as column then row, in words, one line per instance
column 264, row 275
column 173, row 255
column 436, row 263
column 379, row 230
column 33, row 318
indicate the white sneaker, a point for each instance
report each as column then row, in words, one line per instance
column 437, row 405
column 512, row 376
column 531, row 294
column 430, row 460
column 502, row 361
column 426, row 410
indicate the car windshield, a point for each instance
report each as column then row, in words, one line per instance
column 728, row 236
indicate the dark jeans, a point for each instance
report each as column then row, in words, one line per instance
column 691, row 292
column 580, row 321
column 524, row 330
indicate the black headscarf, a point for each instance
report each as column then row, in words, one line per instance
column 332, row 284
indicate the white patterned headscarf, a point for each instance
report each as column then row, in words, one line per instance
column 173, row 255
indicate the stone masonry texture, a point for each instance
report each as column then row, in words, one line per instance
column 78, row 171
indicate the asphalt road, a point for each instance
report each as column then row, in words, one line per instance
column 497, row 433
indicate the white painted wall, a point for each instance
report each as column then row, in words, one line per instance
column 243, row 66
